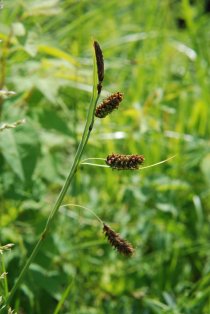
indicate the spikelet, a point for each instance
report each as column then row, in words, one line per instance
column 121, row 245
column 124, row 162
column 108, row 105
column 100, row 65
column 6, row 247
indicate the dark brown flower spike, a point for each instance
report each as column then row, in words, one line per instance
column 100, row 65
column 121, row 245
column 108, row 105
column 124, row 162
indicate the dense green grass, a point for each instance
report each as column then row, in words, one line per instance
column 158, row 54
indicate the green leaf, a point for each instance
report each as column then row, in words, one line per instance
column 10, row 152
column 47, row 8
column 18, row 29
column 57, row 53
column 29, row 149
column 21, row 148
column 52, row 120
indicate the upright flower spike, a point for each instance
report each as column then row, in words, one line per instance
column 124, row 162
column 121, row 245
column 100, row 65
column 108, row 105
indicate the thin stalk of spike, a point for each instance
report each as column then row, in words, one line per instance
column 83, row 207
column 97, row 165
column 86, row 133
column 158, row 163
column 84, row 160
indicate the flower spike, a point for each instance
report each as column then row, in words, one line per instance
column 108, row 105
column 100, row 65
column 124, row 162
column 121, row 245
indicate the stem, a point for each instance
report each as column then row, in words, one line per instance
column 88, row 209
column 84, row 140
column 63, row 297
column 97, row 165
column 6, row 291
column 84, row 160
column 3, row 65
column 158, row 163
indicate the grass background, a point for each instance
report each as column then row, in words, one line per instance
column 157, row 53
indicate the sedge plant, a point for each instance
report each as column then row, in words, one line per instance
column 113, row 161
column 85, row 136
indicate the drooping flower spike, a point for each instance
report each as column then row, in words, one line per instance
column 108, row 105
column 124, row 162
column 121, row 245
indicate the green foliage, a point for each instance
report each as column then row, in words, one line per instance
column 157, row 53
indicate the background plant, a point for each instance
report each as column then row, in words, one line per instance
column 157, row 53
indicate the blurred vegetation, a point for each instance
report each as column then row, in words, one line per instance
column 158, row 54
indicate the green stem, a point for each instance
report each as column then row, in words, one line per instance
column 88, row 209
column 94, row 165
column 3, row 65
column 5, row 278
column 84, row 140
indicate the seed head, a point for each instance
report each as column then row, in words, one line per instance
column 108, row 105
column 124, row 162
column 100, row 65
column 121, row 245
column 6, row 247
